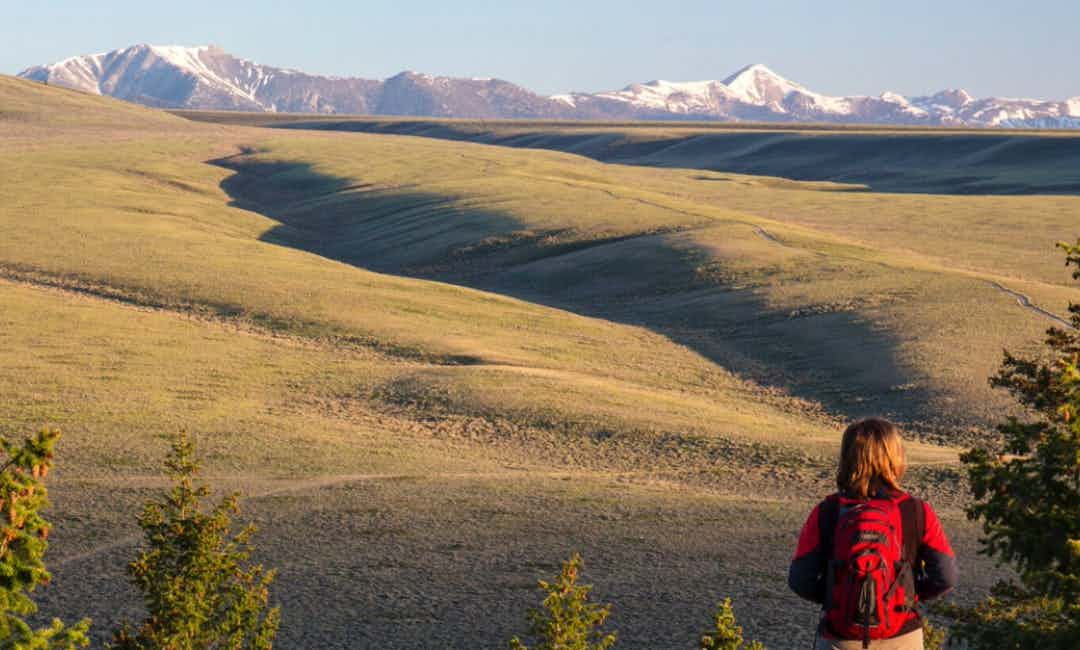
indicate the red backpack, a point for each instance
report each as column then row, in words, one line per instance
column 870, row 579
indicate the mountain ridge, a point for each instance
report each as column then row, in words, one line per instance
column 208, row 77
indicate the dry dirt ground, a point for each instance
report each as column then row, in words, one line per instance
column 433, row 562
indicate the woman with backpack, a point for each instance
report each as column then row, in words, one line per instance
column 871, row 552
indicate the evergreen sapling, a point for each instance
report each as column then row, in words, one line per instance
column 726, row 633
column 23, row 540
column 199, row 588
column 566, row 619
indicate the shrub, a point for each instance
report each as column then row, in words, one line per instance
column 933, row 636
column 23, row 535
column 726, row 633
column 567, row 620
column 1027, row 494
column 194, row 575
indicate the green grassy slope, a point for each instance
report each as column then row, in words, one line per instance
column 192, row 253
column 870, row 310
column 31, row 103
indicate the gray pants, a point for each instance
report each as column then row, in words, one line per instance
column 909, row 641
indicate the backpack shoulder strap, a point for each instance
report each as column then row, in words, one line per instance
column 828, row 513
column 913, row 526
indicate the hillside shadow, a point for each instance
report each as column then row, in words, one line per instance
column 650, row 280
column 354, row 223
column 959, row 164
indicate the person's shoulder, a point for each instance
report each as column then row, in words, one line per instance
column 829, row 501
column 929, row 510
column 899, row 496
column 928, row 520
column 824, row 506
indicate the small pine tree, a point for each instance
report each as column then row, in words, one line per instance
column 198, row 589
column 1027, row 494
column 567, row 620
column 933, row 636
column 23, row 535
column 726, row 633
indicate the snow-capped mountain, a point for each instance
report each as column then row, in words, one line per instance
column 209, row 78
column 756, row 93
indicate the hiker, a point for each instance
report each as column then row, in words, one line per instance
column 869, row 553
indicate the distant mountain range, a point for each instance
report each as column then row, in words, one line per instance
column 210, row 78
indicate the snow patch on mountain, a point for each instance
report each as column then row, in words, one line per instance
column 191, row 60
column 687, row 97
column 183, row 57
column 757, row 84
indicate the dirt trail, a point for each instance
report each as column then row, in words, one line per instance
column 767, row 235
column 298, row 486
column 337, row 480
column 1026, row 303
column 1021, row 299
column 321, row 482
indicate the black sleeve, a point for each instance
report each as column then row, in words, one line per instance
column 935, row 562
column 806, row 576
column 938, row 575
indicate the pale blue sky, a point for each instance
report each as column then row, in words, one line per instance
column 908, row 46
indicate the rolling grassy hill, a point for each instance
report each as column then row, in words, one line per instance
column 854, row 301
column 439, row 367
column 882, row 158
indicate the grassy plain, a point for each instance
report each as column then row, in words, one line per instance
column 884, row 158
column 439, row 367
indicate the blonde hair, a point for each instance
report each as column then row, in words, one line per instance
column 871, row 458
